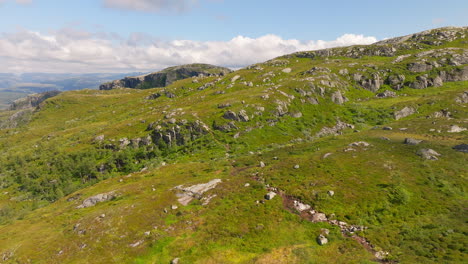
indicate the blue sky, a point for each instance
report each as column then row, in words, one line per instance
column 64, row 31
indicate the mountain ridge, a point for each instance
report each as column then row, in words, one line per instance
column 166, row 76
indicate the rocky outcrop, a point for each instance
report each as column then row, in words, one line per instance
column 187, row 194
column 338, row 98
column 372, row 84
column 456, row 129
column 241, row 116
column 462, row 99
column 406, row 111
column 166, row 77
column 461, row 148
column 396, row 81
column 32, row 101
column 419, row 67
column 335, row 130
column 93, row 200
column 412, row 141
column 428, row 154
column 433, row 37
column 177, row 133
column 386, row 94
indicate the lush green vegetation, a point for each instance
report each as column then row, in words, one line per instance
column 82, row 143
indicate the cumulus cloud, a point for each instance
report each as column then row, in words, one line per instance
column 151, row 5
column 71, row 50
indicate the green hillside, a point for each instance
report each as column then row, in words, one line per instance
column 362, row 146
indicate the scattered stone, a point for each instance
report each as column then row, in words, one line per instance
column 247, row 185
column 406, row 111
column 428, row 154
column 322, row 240
column 442, row 113
column 326, row 155
column 99, row 138
column 319, row 217
column 343, row 71
column 147, row 233
column 381, row 254
column 174, row 207
column 403, row 129
column 195, row 191
column 102, row 215
column 387, row 128
column 243, row 116
column 136, row 244
column 287, row 70
column 270, row 195
column 456, row 129
column 93, row 200
column 331, row 193
column 231, row 115
column 235, row 78
column 359, row 144
column 175, row 261
column 385, row 138
column 386, row 94
column 224, row 105
column 324, row 231
column 463, row 98
column 300, row 206
column 461, row 148
column 124, row 142
column 296, row 166
column 412, row 141
column 262, row 164
column 296, row 115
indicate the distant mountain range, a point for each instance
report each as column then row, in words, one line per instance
column 14, row 86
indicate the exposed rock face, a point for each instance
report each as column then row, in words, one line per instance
column 32, row 100
column 372, row 84
column 333, row 130
column 406, row 111
column 419, row 67
column 428, row 154
column 420, row 83
column 338, row 98
column 396, row 81
column 178, row 133
column 165, row 77
column 93, row 200
column 187, row 194
column 241, row 116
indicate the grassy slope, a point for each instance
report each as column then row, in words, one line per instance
column 413, row 208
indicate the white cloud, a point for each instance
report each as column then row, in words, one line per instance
column 71, row 50
column 151, row 5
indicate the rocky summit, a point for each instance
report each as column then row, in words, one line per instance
column 166, row 77
column 344, row 155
